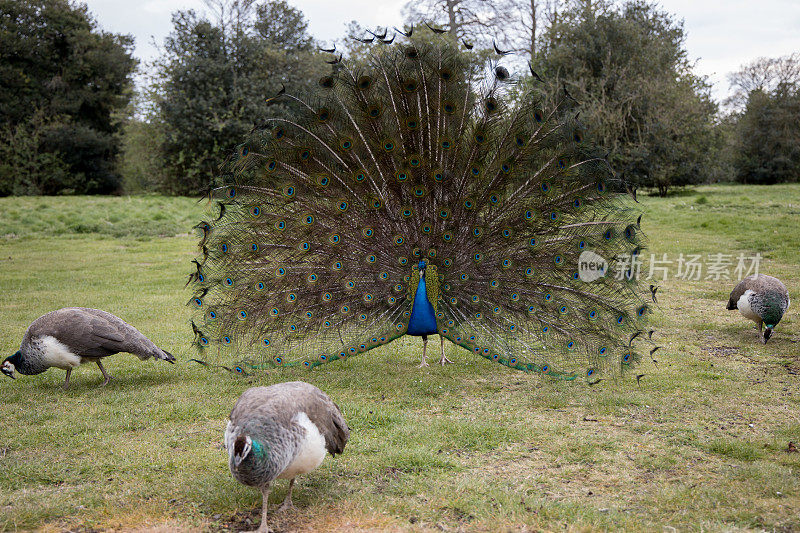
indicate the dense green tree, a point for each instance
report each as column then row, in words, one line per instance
column 765, row 106
column 24, row 167
column 140, row 163
column 216, row 78
column 56, row 62
column 767, row 137
column 627, row 66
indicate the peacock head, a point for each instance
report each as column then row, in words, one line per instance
column 9, row 365
column 421, row 267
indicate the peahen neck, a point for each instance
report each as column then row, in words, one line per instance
column 772, row 310
column 260, row 466
column 15, row 359
column 769, row 306
column 259, row 450
column 31, row 363
column 423, row 316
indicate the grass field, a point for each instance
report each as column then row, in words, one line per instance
column 699, row 444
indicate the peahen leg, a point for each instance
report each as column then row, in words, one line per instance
column 424, row 347
column 444, row 360
column 264, row 527
column 287, row 502
column 105, row 374
column 66, row 380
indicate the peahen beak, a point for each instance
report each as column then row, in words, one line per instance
column 767, row 334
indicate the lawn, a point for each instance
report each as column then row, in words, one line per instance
column 699, row 443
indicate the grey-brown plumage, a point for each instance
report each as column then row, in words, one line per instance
column 72, row 336
column 761, row 298
column 279, row 432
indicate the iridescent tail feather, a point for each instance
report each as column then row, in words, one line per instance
column 409, row 157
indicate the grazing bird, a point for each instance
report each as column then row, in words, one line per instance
column 72, row 336
column 763, row 299
column 280, row 432
column 412, row 198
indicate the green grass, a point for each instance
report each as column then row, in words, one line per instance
column 128, row 216
column 698, row 444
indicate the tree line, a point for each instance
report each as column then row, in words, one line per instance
column 72, row 121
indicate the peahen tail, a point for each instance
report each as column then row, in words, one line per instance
column 418, row 155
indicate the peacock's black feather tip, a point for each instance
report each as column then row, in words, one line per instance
column 408, row 33
column 499, row 51
column 534, row 74
column 435, row 30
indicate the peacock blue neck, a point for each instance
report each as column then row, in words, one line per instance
column 423, row 316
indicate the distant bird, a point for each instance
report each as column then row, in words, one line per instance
column 763, row 299
column 279, row 432
column 72, row 336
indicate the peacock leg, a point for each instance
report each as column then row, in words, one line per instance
column 444, row 360
column 287, row 502
column 105, row 374
column 66, row 380
column 424, row 347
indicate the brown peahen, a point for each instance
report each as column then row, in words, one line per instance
column 762, row 299
column 422, row 194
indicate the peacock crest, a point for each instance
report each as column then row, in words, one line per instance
column 418, row 158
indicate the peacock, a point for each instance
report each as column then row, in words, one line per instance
column 422, row 192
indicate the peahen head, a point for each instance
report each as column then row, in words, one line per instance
column 244, row 447
column 10, row 364
column 241, row 449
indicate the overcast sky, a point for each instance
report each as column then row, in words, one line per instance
column 721, row 34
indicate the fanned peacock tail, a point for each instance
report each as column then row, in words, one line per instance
column 417, row 157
